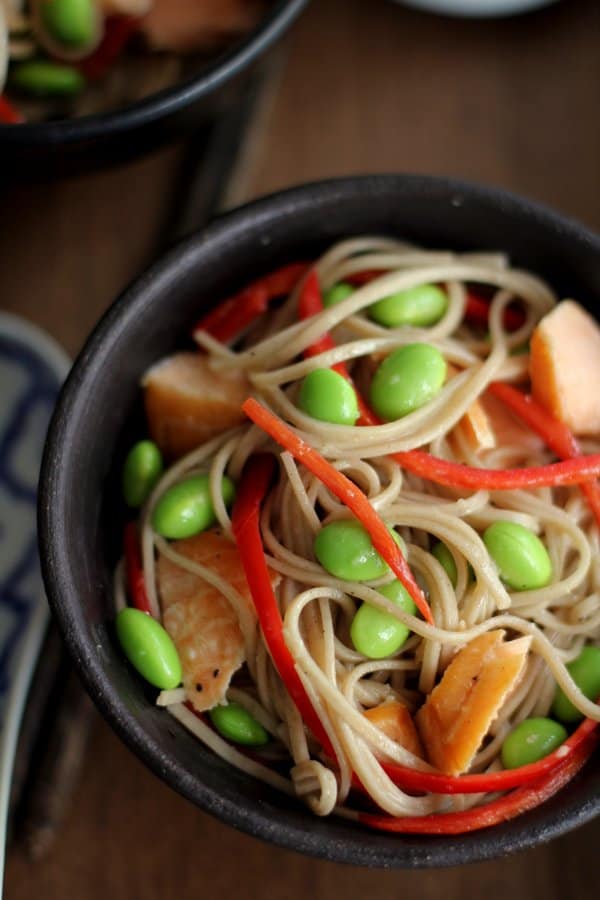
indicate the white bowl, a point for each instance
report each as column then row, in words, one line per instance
column 477, row 8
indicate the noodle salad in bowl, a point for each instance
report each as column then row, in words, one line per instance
column 361, row 563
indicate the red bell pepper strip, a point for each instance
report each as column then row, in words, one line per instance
column 571, row 471
column 231, row 316
column 438, row 783
column 136, row 584
column 254, row 485
column 310, row 303
column 346, row 491
column 511, row 805
column 9, row 114
column 477, row 310
column 552, row 431
column 117, row 33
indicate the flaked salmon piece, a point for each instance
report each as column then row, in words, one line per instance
column 186, row 25
column 187, row 402
column 564, row 365
column 508, row 430
column 476, row 428
column 459, row 711
column 475, row 425
column 396, row 722
column 200, row 620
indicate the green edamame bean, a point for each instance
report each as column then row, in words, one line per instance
column 407, row 379
column 531, row 740
column 236, row 724
column 186, row 508
column 72, row 23
column 418, row 306
column 142, row 469
column 149, row 648
column 345, row 550
column 43, row 78
column 375, row 633
column 446, row 560
column 585, row 672
column 337, row 293
column 327, row 396
column 522, row 560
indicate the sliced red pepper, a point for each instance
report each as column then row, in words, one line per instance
column 477, row 310
column 552, row 431
column 346, row 491
column 508, row 807
column 438, row 783
column 310, row 303
column 117, row 33
column 441, row 471
column 9, row 114
column 230, row 317
column 253, row 488
column 136, row 584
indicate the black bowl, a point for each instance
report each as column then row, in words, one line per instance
column 89, row 141
column 93, row 422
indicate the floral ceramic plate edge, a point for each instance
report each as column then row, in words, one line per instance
column 32, row 369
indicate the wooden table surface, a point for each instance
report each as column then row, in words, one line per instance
column 365, row 86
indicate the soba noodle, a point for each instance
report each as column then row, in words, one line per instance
column 317, row 608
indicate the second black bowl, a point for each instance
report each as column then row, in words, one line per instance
column 66, row 145
column 100, row 400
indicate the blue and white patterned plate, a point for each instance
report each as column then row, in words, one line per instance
column 32, row 369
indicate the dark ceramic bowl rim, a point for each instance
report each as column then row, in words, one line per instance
column 526, row 831
column 165, row 102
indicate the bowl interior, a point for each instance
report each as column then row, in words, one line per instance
column 99, row 412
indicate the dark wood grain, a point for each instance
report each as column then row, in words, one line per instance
column 374, row 87
column 367, row 86
column 68, row 248
column 128, row 836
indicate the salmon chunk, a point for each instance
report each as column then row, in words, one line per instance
column 565, row 366
column 201, row 621
column 459, row 711
column 187, row 402
column 476, row 428
column 396, row 722
column 508, row 430
column 475, row 425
